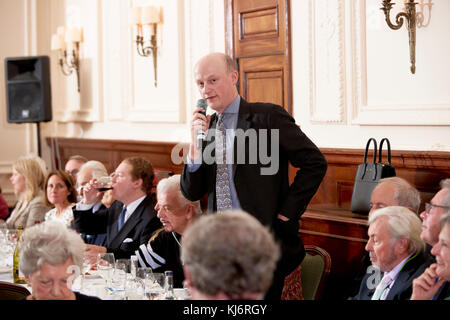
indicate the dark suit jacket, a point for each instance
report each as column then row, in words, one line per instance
column 139, row 227
column 402, row 288
column 264, row 196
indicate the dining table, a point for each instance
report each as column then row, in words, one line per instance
column 93, row 284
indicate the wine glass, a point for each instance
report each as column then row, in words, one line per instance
column 119, row 275
column 105, row 265
column 154, row 286
column 142, row 272
column 104, row 183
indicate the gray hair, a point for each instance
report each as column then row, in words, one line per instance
column 229, row 252
column 173, row 184
column 445, row 184
column 404, row 193
column 49, row 242
column 445, row 220
column 98, row 168
column 402, row 223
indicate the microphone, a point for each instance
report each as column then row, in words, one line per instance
column 201, row 135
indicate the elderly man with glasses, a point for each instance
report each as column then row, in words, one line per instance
column 438, row 206
column 433, row 212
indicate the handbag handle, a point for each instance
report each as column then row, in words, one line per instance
column 374, row 150
column 388, row 150
column 374, row 157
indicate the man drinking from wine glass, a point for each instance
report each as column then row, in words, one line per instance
column 131, row 218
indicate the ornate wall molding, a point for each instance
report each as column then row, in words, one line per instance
column 327, row 60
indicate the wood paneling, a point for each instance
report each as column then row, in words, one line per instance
column 112, row 152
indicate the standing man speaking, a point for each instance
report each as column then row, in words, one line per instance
column 243, row 162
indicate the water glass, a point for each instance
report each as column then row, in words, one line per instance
column 134, row 289
column 142, row 272
column 154, row 286
column 119, row 275
column 105, row 265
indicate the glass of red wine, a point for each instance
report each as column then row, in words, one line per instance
column 104, row 183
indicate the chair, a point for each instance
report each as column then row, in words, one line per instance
column 307, row 281
column 12, row 291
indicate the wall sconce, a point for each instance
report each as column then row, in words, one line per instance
column 410, row 17
column 145, row 21
column 67, row 43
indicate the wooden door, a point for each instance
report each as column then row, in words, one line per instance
column 257, row 37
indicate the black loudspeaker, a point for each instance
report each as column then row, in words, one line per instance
column 28, row 92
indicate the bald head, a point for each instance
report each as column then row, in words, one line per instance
column 216, row 80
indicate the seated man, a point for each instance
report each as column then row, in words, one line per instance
column 434, row 282
column 73, row 166
column 396, row 250
column 131, row 219
column 438, row 207
column 88, row 171
column 230, row 255
column 176, row 214
column 393, row 191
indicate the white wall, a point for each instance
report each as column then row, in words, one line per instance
column 351, row 77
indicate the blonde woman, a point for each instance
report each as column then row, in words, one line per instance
column 28, row 181
column 60, row 194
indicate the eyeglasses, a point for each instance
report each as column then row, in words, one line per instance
column 429, row 205
column 73, row 172
column 117, row 175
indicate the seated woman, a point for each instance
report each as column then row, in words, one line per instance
column 61, row 194
column 27, row 180
column 434, row 283
column 49, row 254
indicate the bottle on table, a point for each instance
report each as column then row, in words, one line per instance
column 168, row 286
column 17, row 274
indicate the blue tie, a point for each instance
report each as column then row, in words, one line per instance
column 122, row 218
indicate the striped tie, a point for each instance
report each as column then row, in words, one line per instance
column 382, row 289
column 223, row 194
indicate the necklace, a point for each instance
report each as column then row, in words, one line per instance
column 173, row 233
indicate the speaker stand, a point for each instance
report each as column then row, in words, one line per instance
column 38, row 129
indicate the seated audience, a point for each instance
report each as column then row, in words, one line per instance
column 73, row 166
column 27, row 180
column 131, row 219
column 61, row 194
column 393, row 191
column 230, row 255
column 396, row 251
column 88, row 171
column 433, row 283
column 4, row 209
column 176, row 214
column 438, row 207
column 49, row 254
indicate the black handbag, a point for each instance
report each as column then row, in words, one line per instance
column 368, row 175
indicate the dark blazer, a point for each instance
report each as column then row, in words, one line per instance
column 264, row 196
column 137, row 230
column 402, row 288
